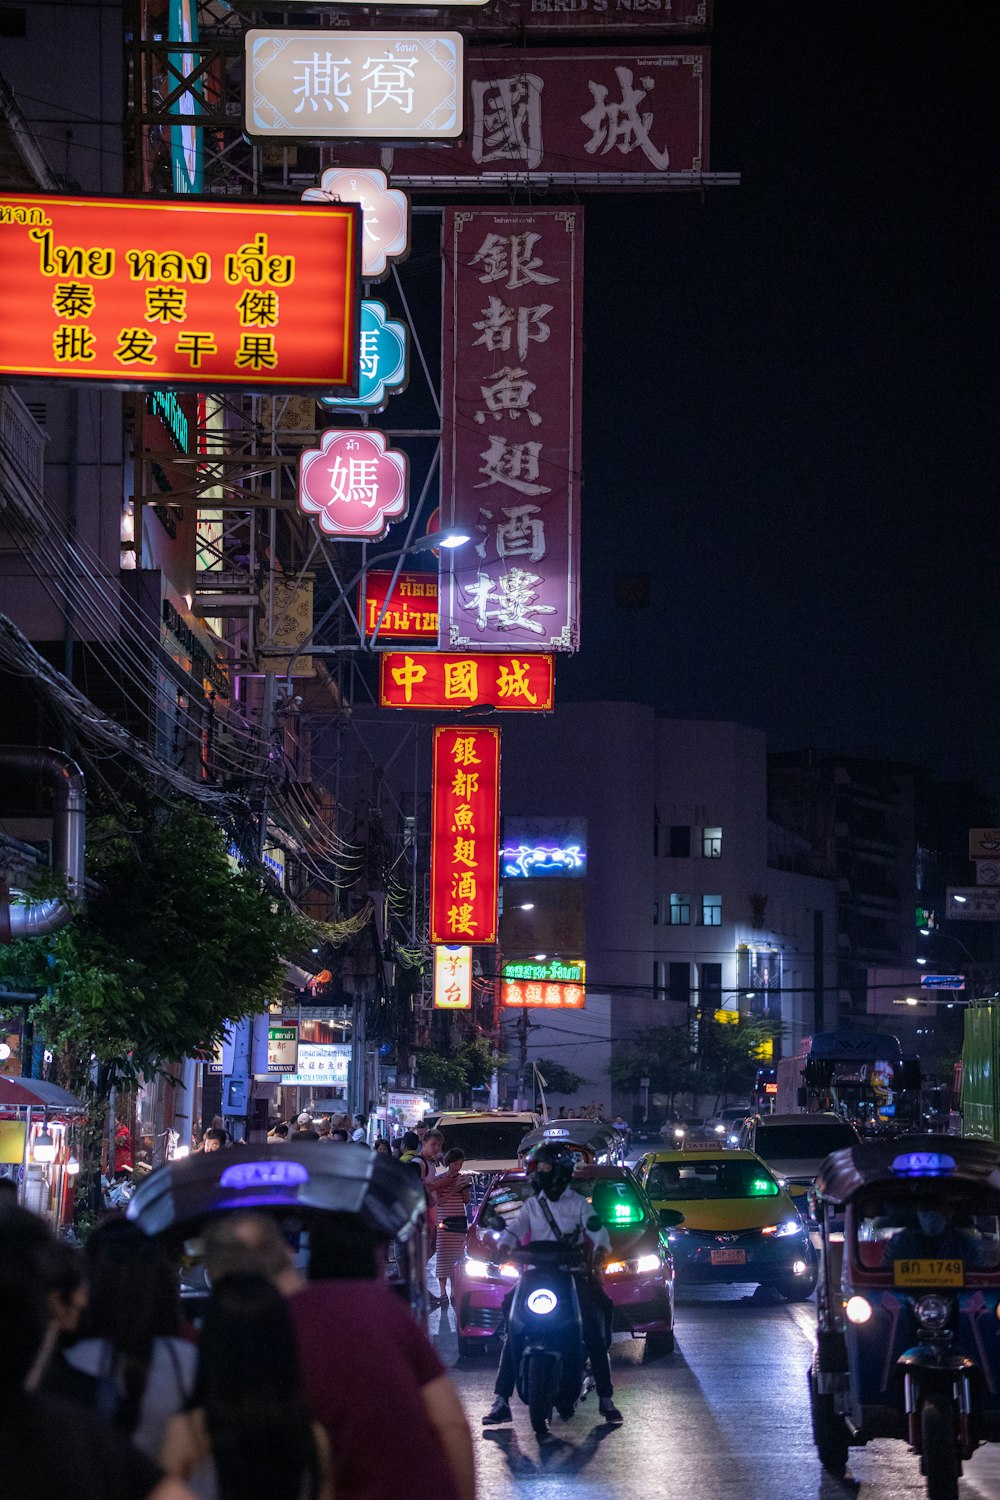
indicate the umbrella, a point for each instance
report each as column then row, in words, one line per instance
column 36, row 1093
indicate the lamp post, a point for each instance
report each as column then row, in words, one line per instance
column 978, row 969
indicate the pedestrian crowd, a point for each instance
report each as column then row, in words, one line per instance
column 107, row 1392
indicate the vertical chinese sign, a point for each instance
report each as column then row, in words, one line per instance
column 512, row 406
column 452, row 977
column 465, row 835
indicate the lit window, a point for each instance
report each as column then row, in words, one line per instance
column 711, row 843
column 711, row 911
column 680, row 910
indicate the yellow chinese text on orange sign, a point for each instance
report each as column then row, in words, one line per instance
column 450, row 679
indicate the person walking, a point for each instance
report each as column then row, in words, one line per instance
column 451, row 1189
column 248, row 1435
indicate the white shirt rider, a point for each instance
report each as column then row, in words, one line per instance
column 570, row 1212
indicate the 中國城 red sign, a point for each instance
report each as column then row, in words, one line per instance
column 465, row 834
column 412, row 608
column 451, row 679
column 149, row 291
column 512, row 403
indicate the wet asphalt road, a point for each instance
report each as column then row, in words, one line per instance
column 726, row 1417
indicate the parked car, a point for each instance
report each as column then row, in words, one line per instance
column 489, row 1138
column 728, row 1220
column 638, row 1278
column 796, row 1146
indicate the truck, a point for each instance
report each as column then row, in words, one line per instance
column 861, row 1075
column 980, row 1073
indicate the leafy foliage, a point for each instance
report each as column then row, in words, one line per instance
column 454, row 1072
column 726, row 1060
column 175, row 944
column 558, row 1079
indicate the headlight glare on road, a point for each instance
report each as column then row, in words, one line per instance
column 857, row 1310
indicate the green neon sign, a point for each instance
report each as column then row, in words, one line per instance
column 554, row 970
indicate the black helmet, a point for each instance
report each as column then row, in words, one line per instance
column 553, row 1166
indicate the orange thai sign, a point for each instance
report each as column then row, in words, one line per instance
column 412, row 609
column 520, row 993
column 168, row 291
column 465, row 835
column 466, row 679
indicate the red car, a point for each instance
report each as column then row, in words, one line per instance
column 638, row 1276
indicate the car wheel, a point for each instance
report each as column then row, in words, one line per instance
column 797, row 1291
column 660, row 1343
column 829, row 1431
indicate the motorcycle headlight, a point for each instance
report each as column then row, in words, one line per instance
column 932, row 1312
column 679, row 1131
column 541, row 1300
column 647, row 1264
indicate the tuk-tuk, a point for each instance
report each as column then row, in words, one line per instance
column 592, row 1142
column 295, row 1184
column 908, row 1302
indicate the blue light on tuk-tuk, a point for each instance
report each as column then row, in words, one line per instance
column 923, row 1164
column 264, row 1174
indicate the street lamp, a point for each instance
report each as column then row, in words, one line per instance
column 450, row 539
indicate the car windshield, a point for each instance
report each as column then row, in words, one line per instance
column 927, row 1223
column 615, row 1199
column 489, row 1140
column 714, row 1178
column 775, row 1142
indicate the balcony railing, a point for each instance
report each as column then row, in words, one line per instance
column 22, row 450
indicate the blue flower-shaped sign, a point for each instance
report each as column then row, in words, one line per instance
column 384, row 361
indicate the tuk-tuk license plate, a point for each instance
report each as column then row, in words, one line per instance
column 729, row 1257
column 928, row 1272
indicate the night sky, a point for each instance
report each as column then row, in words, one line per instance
column 790, row 410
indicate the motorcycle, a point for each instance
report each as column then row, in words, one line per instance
column 908, row 1302
column 545, row 1330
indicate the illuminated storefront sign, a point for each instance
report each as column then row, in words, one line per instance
column 384, row 366
column 456, row 680
column 412, row 609
column 452, row 977
column 521, row 993
column 147, row 292
column 324, row 1064
column 385, row 234
column 353, row 483
column 282, row 1048
column 384, row 85
column 564, row 971
column 524, row 860
column 510, row 464
column 165, row 406
column 186, row 141
column 465, row 831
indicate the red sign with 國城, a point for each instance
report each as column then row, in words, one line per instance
column 173, row 292
column 412, row 609
column 456, row 679
column 548, row 994
column 465, row 834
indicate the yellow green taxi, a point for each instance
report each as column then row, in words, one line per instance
column 729, row 1220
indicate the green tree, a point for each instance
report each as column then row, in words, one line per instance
column 660, row 1053
column 558, row 1079
column 729, row 1055
column 460, row 1069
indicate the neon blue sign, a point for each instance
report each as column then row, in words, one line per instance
column 384, row 361
column 522, row 860
column 264, row 1174
column 924, row 1164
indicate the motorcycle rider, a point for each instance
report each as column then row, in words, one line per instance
column 557, row 1212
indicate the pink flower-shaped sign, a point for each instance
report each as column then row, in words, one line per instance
column 354, row 484
column 385, row 214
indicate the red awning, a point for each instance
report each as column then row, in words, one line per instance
column 20, row 1093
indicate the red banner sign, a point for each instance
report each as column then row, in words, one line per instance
column 564, row 114
column 520, row 993
column 510, row 466
column 412, row 609
column 465, row 835
column 446, row 679
column 152, row 292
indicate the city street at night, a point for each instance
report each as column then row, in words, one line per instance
column 725, row 1416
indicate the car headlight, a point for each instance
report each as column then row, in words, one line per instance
column 646, row 1264
column 615, row 1267
column 679, row 1131
column 857, row 1309
column 509, row 1271
column 790, row 1226
column 643, row 1266
column 720, row 1129
column 478, row 1269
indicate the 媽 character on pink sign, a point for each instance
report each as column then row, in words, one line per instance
column 354, row 484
